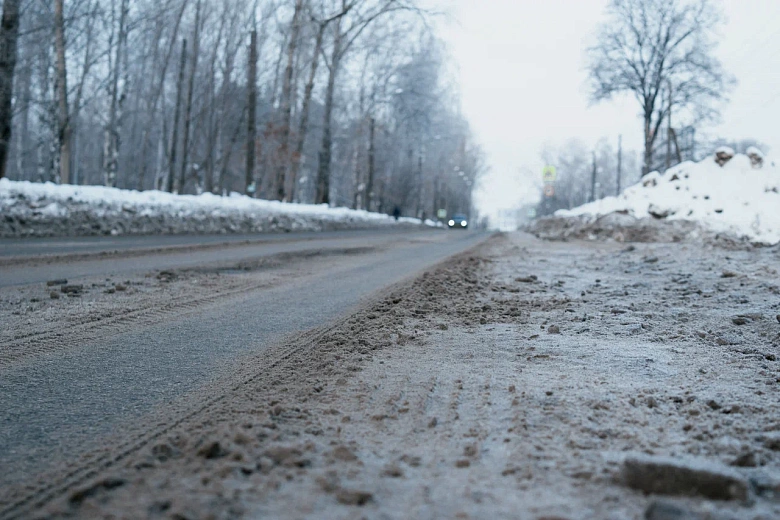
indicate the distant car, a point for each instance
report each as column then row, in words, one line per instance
column 458, row 222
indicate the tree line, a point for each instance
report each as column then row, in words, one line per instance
column 342, row 102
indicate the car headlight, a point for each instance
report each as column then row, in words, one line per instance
column 464, row 223
column 451, row 222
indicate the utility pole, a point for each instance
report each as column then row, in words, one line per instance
column 593, row 179
column 620, row 163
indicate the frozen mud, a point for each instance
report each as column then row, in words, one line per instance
column 564, row 380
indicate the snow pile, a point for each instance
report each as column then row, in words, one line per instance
column 36, row 209
column 740, row 199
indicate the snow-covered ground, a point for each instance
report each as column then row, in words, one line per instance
column 737, row 198
column 46, row 209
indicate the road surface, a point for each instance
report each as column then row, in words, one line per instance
column 67, row 387
column 521, row 379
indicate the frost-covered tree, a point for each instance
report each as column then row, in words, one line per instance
column 662, row 53
column 305, row 100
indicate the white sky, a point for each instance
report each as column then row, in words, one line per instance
column 522, row 76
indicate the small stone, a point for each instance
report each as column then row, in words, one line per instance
column 433, row 422
column 354, row 497
column 728, row 339
column 102, row 485
column 54, row 295
column 740, row 320
column 553, row 329
column 728, row 274
column 110, row 290
column 715, row 405
column 747, row 459
column 393, row 471
column 462, row 463
column 772, row 440
column 413, row 460
column 778, row 318
column 287, row 456
column 651, row 402
column 212, row 450
column 58, row 281
column 664, row 510
column 684, row 476
column 72, row 289
column 344, row 454
column 119, row 287
column 470, row 451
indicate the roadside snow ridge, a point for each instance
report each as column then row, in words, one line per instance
column 738, row 198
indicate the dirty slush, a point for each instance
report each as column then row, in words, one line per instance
column 524, row 379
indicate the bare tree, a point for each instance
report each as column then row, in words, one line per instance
column 9, row 32
column 283, row 156
column 111, row 141
column 173, row 185
column 303, row 127
column 188, row 105
column 63, row 116
column 153, row 98
column 391, row 136
column 345, row 33
column 662, row 52
column 250, row 187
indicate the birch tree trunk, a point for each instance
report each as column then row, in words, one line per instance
column 155, row 97
column 303, row 126
column 323, row 168
column 188, row 105
column 111, row 137
column 172, row 184
column 213, row 123
column 249, row 185
column 371, row 161
column 63, row 116
column 283, row 156
column 23, row 136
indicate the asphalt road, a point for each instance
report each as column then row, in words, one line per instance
column 53, row 406
column 136, row 254
column 26, row 247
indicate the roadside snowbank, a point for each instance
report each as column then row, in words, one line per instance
column 737, row 199
column 36, row 209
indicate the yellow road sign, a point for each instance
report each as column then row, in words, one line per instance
column 549, row 174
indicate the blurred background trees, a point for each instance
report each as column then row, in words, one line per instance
column 346, row 102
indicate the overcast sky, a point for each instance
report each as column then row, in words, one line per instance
column 521, row 68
